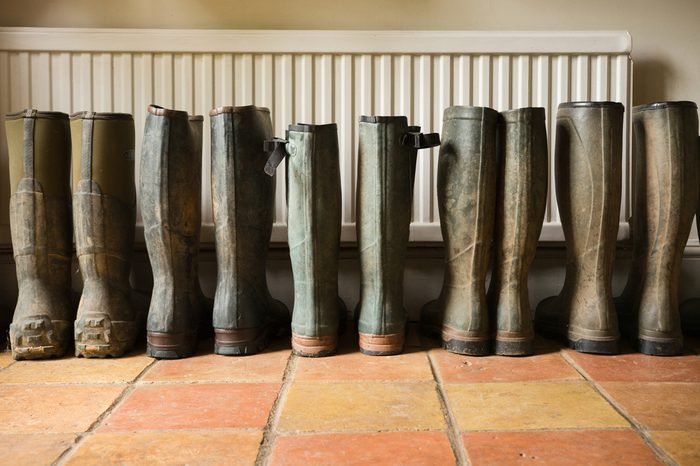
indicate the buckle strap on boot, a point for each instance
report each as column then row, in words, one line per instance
column 417, row 140
column 277, row 148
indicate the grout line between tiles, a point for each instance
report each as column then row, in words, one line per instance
column 100, row 419
column 636, row 426
column 269, row 431
column 453, row 433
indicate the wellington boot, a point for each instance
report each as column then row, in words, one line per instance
column 467, row 188
column 522, row 199
column 313, row 224
column 40, row 224
column 387, row 161
column 170, row 187
column 690, row 309
column 243, row 196
column 666, row 197
column 104, row 201
column 588, row 175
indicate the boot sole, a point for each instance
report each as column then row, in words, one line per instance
column 96, row 336
column 462, row 342
column 162, row 345
column 382, row 345
column 314, row 347
column 241, row 342
column 514, row 346
column 38, row 337
column 595, row 346
column 660, row 348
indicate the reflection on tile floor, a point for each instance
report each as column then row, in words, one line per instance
column 425, row 407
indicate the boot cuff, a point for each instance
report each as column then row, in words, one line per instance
column 241, row 109
column 384, row 119
column 161, row 111
column 31, row 113
column 591, row 104
column 309, row 128
column 100, row 116
column 665, row 104
column 525, row 113
column 460, row 112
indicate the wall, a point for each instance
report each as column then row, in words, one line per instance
column 666, row 67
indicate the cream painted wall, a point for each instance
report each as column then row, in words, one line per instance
column 665, row 33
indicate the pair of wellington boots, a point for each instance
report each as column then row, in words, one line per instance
column 665, row 200
column 388, row 150
column 313, row 226
column 588, row 176
column 492, row 183
column 44, row 323
column 170, row 188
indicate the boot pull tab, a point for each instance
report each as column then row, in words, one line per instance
column 277, row 148
column 417, row 140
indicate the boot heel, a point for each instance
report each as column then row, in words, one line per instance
column 314, row 347
column 97, row 336
column 170, row 345
column 381, row 345
column 240, row 342
column 671, row 347
column 39, row 337
column 595, row 346
column 468, row 347
column 508, row 345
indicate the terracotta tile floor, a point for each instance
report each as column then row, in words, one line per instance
column 424, row 407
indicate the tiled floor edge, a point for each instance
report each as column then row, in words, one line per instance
column 84, row 435
column 636, row 426
column 453, row 433
column 269, row 431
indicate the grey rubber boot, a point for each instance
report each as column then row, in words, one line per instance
column 588, row 171
column 104, row 198
column 170, row 187
column 243, row 196
column 690, row 309
column 313, row 224
column 40, row 224
column 665, row 200
column 467, row 187
column 386, row 170
column 522, row 199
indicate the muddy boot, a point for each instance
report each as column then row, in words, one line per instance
column 243, row 196
column 313, row 225
column 522, row 199
column 40, row 224
column 170, row 187
column 387, row 161
column 467, row 186
column 104, row 198
column 666, row 197
column 588, row 179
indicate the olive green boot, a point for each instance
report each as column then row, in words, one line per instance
column 313, row 225
column 387, row 161
column 588, row 175
column 170, row 187
column 243, row 197
column 40, row 224
column 666, row 197
column 104, row 198
column 467, row 187
column 522, row 198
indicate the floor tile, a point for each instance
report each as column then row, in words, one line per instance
column 682, row 446
column 659, row 405
column 361, row 406
column 54, row 409
column 637, row 367
column 401, row 448
column 76, row 370
column 5, row 359
column 259, row 368
column 194, row 406
column 589, row 447
column 459, row 368
column 165, row 448
column 32, row 449
column 357, row 366
column 530, row 405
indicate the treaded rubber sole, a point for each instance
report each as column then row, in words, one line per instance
column 314, row 347
column 595, row 346
column 381, row 345
column 468, row 347
column 657, row 348
column 162, row 345
column 240, row 342
column 39, row 337
column 97, row 336
column 514, row 348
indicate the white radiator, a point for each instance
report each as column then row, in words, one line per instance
column 315, row 77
